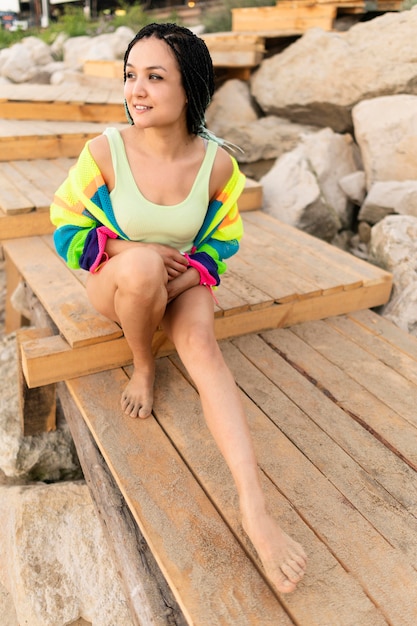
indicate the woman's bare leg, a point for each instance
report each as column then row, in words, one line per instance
column 131, row 289
column 189, row 323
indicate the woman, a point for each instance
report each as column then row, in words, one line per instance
column 151, row 213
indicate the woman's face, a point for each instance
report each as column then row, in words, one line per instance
column 153, row 89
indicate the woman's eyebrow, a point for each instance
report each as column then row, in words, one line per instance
column 151, row 67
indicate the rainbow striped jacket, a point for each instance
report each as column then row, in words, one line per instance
column 83, row 215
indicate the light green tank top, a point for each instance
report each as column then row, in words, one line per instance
column 141, row 220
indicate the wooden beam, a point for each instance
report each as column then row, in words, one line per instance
column 149, row 598
column 37, row 406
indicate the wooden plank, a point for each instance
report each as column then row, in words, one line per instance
column 12, row 200
column 20, row 110
column 67, row 303
column 318, row 248
column 327, row 435
column 259, row 266
column 252, row 196
column 37, row 406
column 385, row 352
column 105, row 69
column 299, row 259
column 211, row 577
column 44, row 178
column 391, row 428
column 25, row 225
column 149, row 598
column 13, row 319
column 29, row 179
column 386, row 330
column 293, row 19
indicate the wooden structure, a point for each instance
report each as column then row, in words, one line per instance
column 42, row 139
column 297, row 16
column 58, row 103
column 315, row 280
column 331, row 406
column 286, row 17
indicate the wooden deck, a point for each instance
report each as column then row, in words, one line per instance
column 331, row 406
column 280, row 277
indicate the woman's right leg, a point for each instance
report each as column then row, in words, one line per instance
column 131, row 289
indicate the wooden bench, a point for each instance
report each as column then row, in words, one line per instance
column 331, row 406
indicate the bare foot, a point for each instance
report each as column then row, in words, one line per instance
column 283, row 559
column 137, row 397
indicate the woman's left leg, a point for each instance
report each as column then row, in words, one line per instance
column 189, row 322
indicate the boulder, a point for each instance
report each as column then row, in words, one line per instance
column 50, row 456
column 106, row 47
column 354, row 186
column 394, row 247
column 319, row 78
column 303, row 189
column 54, row 560
column 292, row 195
column 23, row 61
column 389, row 197
column 386, row 133
column 233, row 116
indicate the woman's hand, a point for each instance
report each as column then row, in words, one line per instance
column 175, row 263
column 186, row 280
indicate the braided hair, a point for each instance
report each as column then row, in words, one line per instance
column 195, row 65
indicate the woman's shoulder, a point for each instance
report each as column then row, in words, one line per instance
column 221, row 172
column 100, row 151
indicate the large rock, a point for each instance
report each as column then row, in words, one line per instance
column 233, row 116
column 386, row 132
column 302, row 189
column 23, row 61
column 50, row 456
column 318, row 79
column 389, row 197
column 106, row 47
column 54, row 560
column 394, row 247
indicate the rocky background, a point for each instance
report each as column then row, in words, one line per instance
column 329, row 126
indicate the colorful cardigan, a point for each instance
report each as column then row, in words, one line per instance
column 83, row 215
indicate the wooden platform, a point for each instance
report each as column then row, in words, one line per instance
column 280, row 277
column 331, row 406
column 59, row 103
column 31, row 139
column 27, row 189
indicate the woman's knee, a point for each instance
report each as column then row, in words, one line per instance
column 141, row 271
column 198, row 341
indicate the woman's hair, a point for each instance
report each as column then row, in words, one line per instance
column 195, row 65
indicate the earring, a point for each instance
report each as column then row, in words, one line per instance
column 127, row 112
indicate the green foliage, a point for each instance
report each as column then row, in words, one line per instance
column 408, row 4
